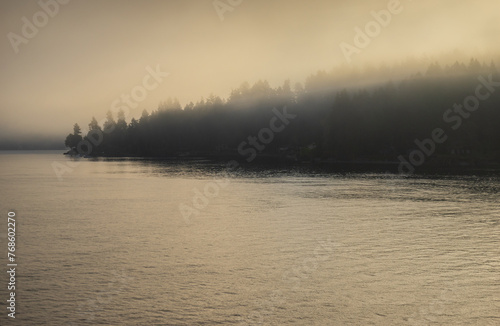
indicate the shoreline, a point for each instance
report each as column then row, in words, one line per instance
column 433, row 166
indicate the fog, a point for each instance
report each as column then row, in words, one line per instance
column 78, row 63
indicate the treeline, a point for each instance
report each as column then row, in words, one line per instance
column 374, row 123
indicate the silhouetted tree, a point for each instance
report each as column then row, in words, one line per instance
column 72, row 140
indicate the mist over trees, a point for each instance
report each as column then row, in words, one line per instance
column 375, row 122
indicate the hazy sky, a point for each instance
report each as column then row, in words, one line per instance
column 92, row 51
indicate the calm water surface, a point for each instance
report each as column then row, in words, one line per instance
column 108, row 245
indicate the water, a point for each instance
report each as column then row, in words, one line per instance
column 108, row 245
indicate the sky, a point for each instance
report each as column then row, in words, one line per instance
column 80, row 59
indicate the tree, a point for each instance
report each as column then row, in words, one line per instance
column 121, row 124
column 95, row 135
column 72, row 140
column 189, row 106
column 77, row 130
column 94, row 125
column 144, row 117
column 110, row 124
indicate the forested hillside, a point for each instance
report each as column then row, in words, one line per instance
column 375, row 122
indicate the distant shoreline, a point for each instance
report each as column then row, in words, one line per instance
column 270, row 160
